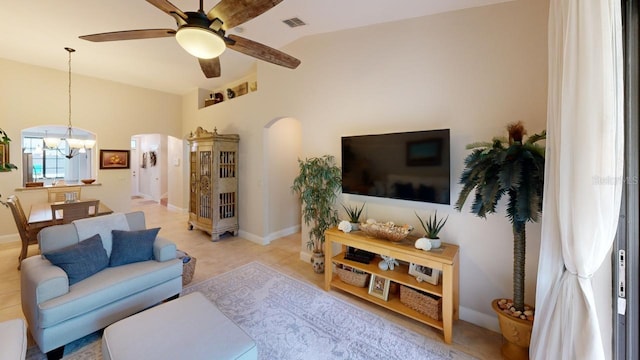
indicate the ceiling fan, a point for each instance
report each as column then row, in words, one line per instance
column 203, row 34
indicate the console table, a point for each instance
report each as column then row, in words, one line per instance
column 444, row 259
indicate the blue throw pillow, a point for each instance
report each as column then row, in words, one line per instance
column 132, row 246
column 81, row 260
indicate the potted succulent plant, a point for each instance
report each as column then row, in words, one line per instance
column 318, row 184
column 432, row 227
column 515, row 168
column 353, row 213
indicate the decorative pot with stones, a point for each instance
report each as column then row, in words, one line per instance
column 317, row 260
column 516, row 329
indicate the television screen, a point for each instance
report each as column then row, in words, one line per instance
column 409, row 165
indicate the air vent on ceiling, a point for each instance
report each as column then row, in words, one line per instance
column 294, row 22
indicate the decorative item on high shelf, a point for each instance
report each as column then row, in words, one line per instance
column 231, row 94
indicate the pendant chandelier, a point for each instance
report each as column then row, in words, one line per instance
column 68, row 145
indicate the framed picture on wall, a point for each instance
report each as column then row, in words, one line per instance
column 114, row 159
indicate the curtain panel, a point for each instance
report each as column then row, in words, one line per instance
column 583, row 175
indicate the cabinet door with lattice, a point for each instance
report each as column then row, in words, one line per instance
column 213, row 206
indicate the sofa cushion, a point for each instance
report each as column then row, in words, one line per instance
column 81, row 260
column 132, row 246
column 103, row 226
column 107, row 286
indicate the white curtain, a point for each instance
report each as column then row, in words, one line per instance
column 583, row 179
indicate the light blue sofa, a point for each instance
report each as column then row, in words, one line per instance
column 58, row 314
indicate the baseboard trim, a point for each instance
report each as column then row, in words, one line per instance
column 10, row 238
column 177, row 209
column 481, row 319
column 282, row 233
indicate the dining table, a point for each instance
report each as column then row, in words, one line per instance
column 40, row 214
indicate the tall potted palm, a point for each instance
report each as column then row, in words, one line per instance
column 318, row 185
column 512, row 167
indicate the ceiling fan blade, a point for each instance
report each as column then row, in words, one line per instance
column 236, row 12
column 263, row 52
column 210, row 67
column 167, row 7
column 130, row 35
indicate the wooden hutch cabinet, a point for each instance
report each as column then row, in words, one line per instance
column 213, row 188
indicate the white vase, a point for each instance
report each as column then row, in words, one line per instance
column 355, row 226
column 435, row 243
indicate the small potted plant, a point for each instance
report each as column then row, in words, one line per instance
column 318, row 184
column 353, row 213
column 4, row 154
column 432, row 227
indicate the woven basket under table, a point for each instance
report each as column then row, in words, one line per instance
column 426, row 304
column 353, row 278
column 188, row 269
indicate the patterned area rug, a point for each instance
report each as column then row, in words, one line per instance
column 290, row 319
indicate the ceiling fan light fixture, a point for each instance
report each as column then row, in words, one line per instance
column 200, row 42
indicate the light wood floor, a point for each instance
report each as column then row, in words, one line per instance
column 218, row 257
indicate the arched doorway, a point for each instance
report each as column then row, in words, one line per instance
column 282, row 148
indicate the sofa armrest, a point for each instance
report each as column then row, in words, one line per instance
column 40, row 281
column 163, row 249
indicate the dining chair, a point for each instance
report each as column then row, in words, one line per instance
column 57, row 194
column 64, row 213
column 28, row 235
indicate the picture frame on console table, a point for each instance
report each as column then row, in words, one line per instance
column 423, row 273
column 114, row 159
column 379, row 287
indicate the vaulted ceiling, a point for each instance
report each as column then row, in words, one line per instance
column 37, row 31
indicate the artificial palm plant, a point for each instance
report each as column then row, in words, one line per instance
column 318, row 184
column 513, row 167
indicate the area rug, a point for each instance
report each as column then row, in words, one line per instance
column 290, row 319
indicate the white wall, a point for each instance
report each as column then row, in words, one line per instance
column 472, row 71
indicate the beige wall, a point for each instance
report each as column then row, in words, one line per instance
column 472, row 71
column 32, row 96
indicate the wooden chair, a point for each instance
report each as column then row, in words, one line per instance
column 27, row 234
column 57, row 194
column 65, row 213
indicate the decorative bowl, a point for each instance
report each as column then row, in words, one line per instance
column 388, row 231
column 88, row 181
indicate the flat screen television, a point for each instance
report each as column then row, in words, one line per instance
column 408, row 165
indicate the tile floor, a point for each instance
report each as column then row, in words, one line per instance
column 218, row 257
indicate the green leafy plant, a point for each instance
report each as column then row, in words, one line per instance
column 353, row 213
column 318, row 184
column 513, row 167
column 5, row 140
column 433, row 225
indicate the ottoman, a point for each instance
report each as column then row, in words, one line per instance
column 190, row 327
column 13, row 339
